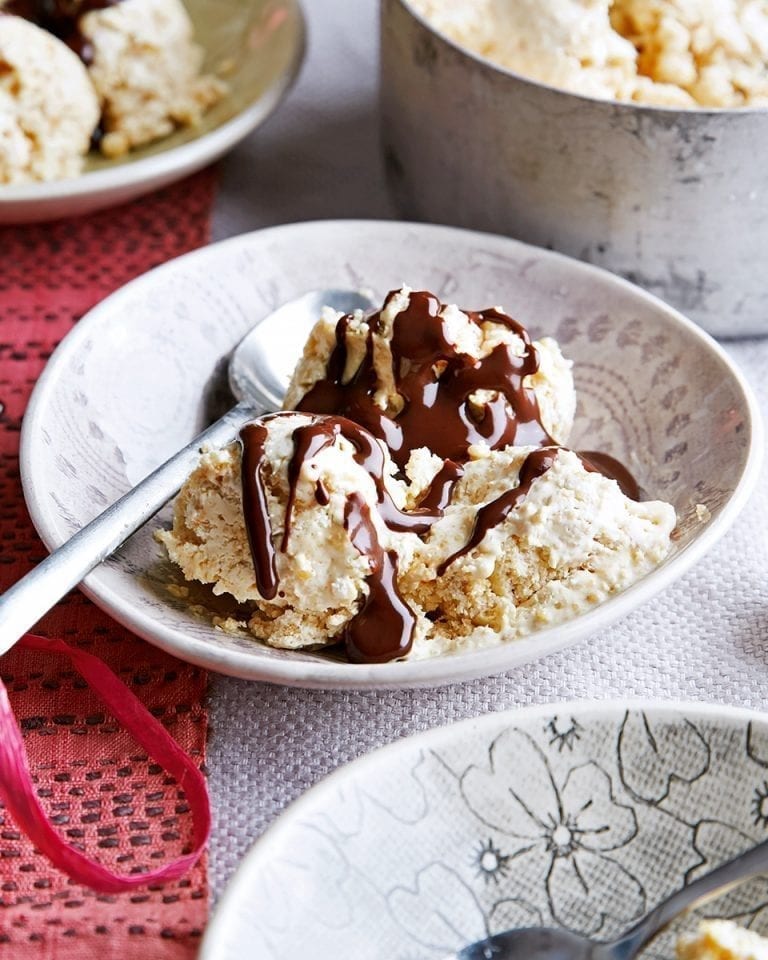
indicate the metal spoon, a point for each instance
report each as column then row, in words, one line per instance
column 259, row 369
column 543, row 943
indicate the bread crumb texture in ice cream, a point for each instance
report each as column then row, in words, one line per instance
column 418, row 499
column 722, row 940
column 117, row 73
column 48, row 107
column 678, row 53
column 146, row 70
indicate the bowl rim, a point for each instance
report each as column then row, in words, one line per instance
column 302, row 806
column 165, row 164
column 630, row 106
column 329, row 674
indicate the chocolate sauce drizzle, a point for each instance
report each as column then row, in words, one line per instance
column 597, row 462
column 491, row 514
column 256, row 510
column 438, row 495
column 534, row 466
column 308, row 441
column 435, row 383
column 61, row 18
column 383, row 627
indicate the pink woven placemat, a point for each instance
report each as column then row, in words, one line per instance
column 103, row 792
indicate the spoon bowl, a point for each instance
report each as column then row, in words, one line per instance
column 536, row 943
column 262, row 363
column 259, row 369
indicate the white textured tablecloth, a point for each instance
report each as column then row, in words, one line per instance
column 705, row 638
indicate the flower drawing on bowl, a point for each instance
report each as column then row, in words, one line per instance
column 656, row 753
column 759, row 805
column 491, row 863
column 440, row 911
column 757, row 744
column 312, row 882
column 564, row 732
column 564, row 832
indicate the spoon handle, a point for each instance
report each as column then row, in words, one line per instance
column 711, row 885
column 23, row 604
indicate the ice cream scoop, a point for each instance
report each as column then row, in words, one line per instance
column 412, row 499
column 419, row 373
column 48, row 107
column 146, row 69
column 305, row 521
column 113, row 74
column 257, row 368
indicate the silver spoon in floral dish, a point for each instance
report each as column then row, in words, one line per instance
column 546, row 943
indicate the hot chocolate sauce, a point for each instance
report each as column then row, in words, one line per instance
column 435, row 383
column 321, row 494
column 438, row 495
column 255, row 509
column 597, row 462
column 309, row 440
column 383, row 627
column 492, row 514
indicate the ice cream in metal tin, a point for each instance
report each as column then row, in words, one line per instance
column 674, row 53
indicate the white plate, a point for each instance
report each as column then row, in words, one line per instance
column 262, row 41
column 132, row 383
column 573, row 815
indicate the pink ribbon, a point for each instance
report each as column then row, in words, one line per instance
column 20, row 798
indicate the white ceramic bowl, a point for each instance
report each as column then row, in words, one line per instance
column 133, row 382
column 262, row 41
column 670, row 199
column 573, row 815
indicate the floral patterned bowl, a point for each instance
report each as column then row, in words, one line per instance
column 575, row 815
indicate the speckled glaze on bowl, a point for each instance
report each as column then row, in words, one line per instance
column 575, row 815
column 134, row 381
column 674, row 200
